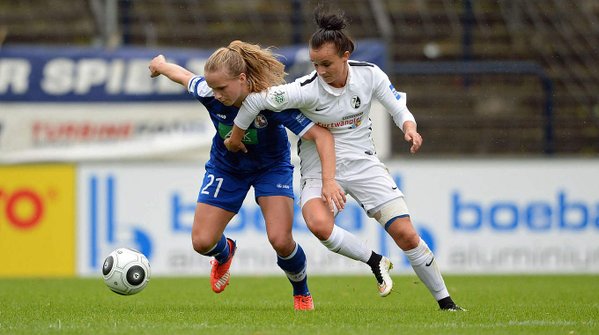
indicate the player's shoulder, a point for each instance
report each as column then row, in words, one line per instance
column 366, row 71
column 197, row 86
column 307, row 80
column 360, row 66
column 357, row 63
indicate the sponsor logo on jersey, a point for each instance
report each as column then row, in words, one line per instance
column 260, row 121
column 353, row 116
column 278, row 97
column 357, row 122
column 355, row 102
column 222, row 116
column 250, row 137
column 350, row 121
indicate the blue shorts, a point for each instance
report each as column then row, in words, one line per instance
column 227, row 190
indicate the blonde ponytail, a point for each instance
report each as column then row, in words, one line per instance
column 260, row 65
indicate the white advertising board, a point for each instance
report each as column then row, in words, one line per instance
column 478, row 216
column 79, row 132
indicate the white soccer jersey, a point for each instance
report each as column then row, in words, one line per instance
column 344, row 111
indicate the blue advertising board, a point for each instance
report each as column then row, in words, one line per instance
column 66, row 74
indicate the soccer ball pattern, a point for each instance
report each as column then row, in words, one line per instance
column 126, row 271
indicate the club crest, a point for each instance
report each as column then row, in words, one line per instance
column 260, row 121
column 355, row 102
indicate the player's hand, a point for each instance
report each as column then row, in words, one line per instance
column 155, row 65
column 414, row 139
column 333, row 195
column 235, row 147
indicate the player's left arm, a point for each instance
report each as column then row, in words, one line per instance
column 178, row 74
column 332, row 193
column 396, row 104
column 412, row 136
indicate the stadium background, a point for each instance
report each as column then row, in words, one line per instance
column 504, row 92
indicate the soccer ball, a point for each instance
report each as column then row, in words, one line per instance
column 126, row 271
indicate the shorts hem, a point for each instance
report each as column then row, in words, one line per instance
column 221, row 206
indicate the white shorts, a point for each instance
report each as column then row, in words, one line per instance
column 368, row 181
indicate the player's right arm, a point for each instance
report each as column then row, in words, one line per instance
column 332, row 194
column 178, row 74
column 276, row 98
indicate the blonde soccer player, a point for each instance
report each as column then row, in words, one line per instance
column 230, row 74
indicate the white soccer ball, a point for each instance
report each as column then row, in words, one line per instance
column 126, row 271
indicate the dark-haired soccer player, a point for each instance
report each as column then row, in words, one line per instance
column 337, row 96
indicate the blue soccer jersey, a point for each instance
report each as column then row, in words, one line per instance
column 265, row 139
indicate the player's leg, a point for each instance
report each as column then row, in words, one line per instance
column 394, row 217
column 321, row 223
column 420, row 256
column 274, row 194
column 208, row 239
column 422, row 260
column 207, row 231
column 220, row 198
column 278, row 215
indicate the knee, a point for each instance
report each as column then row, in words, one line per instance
column 280, row 237
column 410, row 240
column 202, row 243
column 283, row 244
column 321, row 227
column 319, row 219
column 404, row 233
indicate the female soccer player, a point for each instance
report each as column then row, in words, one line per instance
column 231, row 73
column 338, row 95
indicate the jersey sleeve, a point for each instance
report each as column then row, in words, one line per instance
column 276, row 99
column 294, row 120
column 198, row 87
column 395, row 102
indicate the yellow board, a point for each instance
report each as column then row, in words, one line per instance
column 37, row 221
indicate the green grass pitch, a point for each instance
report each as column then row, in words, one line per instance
column 560, row 304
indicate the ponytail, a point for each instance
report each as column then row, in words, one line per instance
column 330, row 30
column 260, row 65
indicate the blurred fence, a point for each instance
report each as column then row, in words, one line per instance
column 509, row 124
column 559, row 36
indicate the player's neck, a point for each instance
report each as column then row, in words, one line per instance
column 241, row 98
column 343, row 80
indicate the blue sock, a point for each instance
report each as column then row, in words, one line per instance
column 220, row 251
column 294, row 266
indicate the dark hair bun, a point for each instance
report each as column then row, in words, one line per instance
column 329, row 21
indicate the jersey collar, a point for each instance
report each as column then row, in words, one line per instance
column 338, row 91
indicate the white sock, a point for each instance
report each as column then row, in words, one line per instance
column 345, row 243
column 423, row 262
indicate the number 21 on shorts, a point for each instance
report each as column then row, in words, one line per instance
column 211, row 180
